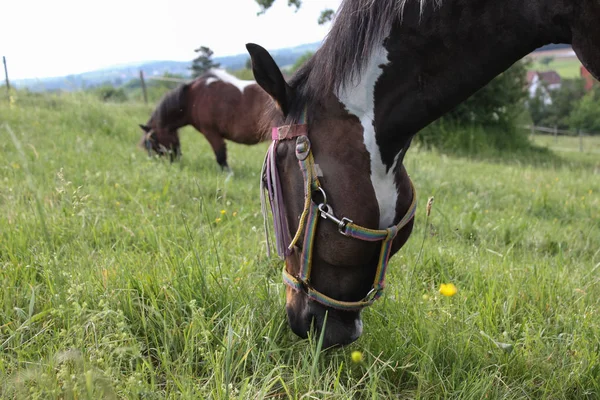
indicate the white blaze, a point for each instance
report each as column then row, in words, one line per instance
column 222, row 75
column 359, row 100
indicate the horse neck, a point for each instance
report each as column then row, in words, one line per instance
column 436, row 60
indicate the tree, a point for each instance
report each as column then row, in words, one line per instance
column 496, row 104
column 564, row 101
column 203, row 62
column 266, row 4
column 586, row 113
column 546, row 61
column 300, row 61
column 326, row 15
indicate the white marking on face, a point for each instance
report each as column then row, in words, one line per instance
column 359, row 100
column 222, row 75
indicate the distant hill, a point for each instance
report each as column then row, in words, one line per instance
column 553, row 47
column 121, row 74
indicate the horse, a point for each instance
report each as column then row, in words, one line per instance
column 341, row 198
column 218, row 105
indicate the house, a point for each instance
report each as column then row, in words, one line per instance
column 545, row 81
column 590, row 81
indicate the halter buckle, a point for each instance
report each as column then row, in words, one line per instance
column 302, row 147
column 343, row 224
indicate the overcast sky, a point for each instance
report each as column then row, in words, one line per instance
column 42, row 38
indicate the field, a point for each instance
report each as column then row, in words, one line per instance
column 565, row 67
column 564, row 61
column 128, row 277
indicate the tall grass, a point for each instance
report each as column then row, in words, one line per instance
column 136, row 278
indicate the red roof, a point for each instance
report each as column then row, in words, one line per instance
column 548, row 77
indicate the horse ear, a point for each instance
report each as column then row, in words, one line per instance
column 145, row 128
column 269, row 77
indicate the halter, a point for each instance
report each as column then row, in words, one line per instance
column 310, row 217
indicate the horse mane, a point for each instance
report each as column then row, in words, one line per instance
column 359, row 26
column 172, row 102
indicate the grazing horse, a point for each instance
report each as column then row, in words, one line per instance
column 387, row 69
column 217, row 104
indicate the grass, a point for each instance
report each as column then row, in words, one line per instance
column 128, row 277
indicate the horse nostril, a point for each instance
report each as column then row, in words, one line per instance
column 336, row 328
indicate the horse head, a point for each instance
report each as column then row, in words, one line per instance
column 341, row 198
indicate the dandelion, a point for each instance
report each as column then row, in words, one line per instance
column 234, row 213
column 117, row 203
column 223, row 212
column 218, row 220
column 356, row 356
column 448, row 289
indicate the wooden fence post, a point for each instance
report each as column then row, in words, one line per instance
column 532, row 131
column 6, row 78
column 144, row 86
column 555, row 134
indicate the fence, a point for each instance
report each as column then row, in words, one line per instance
column 578, row 135
column 6, row 78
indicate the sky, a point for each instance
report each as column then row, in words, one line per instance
column 45, row 38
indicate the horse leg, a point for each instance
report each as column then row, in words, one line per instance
column 219, row 147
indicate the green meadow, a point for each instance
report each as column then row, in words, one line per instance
column 565, row 67
column 127, row 277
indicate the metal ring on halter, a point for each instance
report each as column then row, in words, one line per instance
column 320, row 189
column 371, row 295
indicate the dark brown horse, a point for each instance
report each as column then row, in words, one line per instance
column 217, row 104
column 387, row 69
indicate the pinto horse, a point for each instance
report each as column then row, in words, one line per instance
column 217, row 104
column 387, row 69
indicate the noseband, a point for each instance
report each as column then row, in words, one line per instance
column 310, row 216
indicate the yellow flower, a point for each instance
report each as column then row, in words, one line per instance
column 448, row 289
column 356, row 356
column 234, row 213
column 218, row 220
column 117, row 203
column 223, row 212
